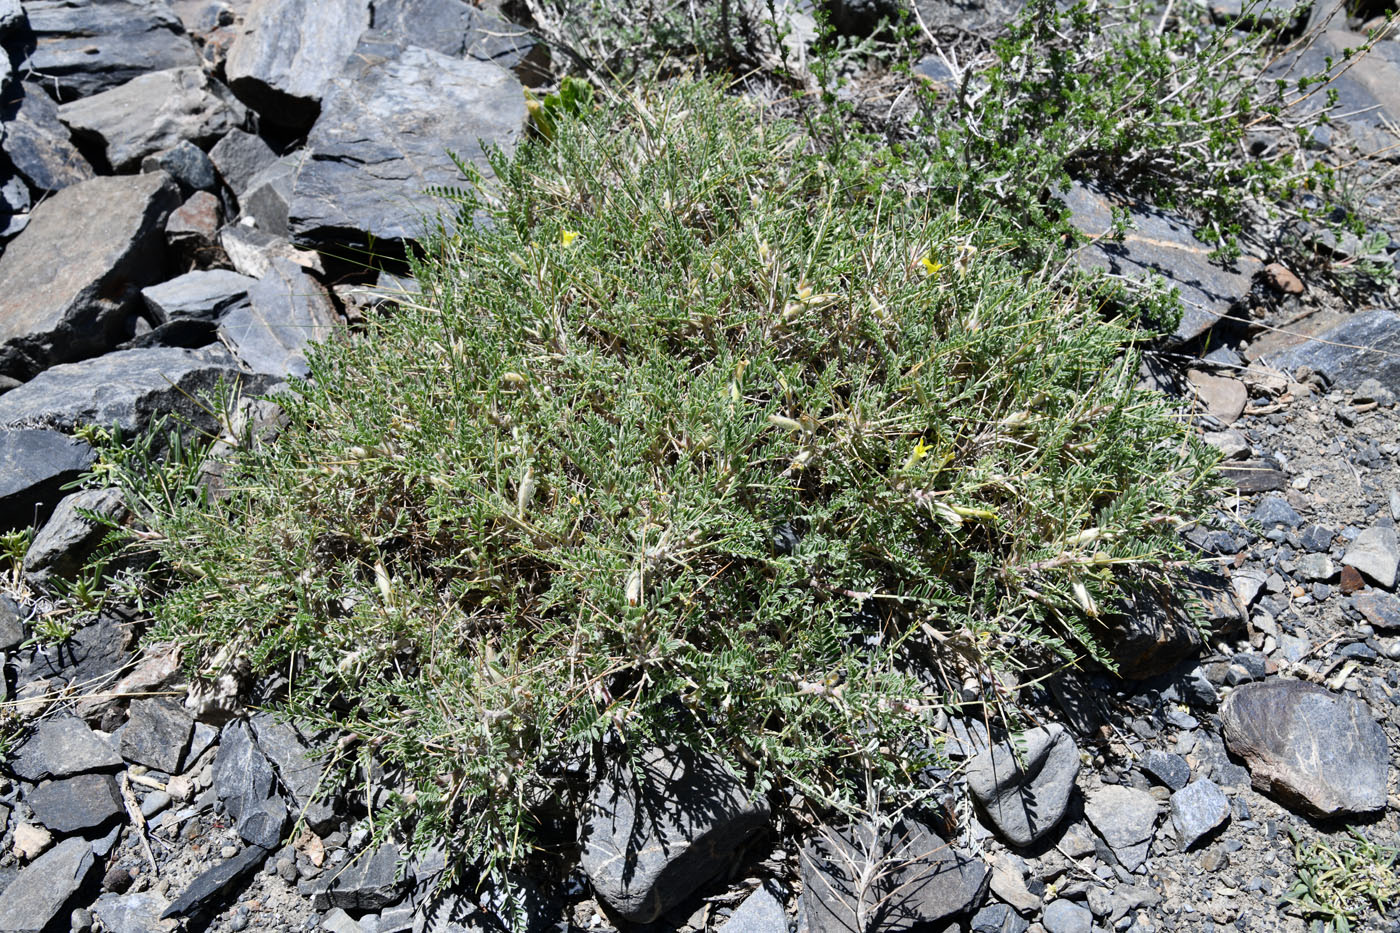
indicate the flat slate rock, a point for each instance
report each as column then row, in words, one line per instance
column 926, row 880
column 1197, row 810
column 63, row 297
column 650, row 838
column 1170, row 770
column 127, row 388
column 94, row 652
column 298, row 772
column 207, row 890
column 1126, row 819
column 35, row 465
column 62, row 747
column 1380, row 609
column 78, row 804
column 453, row 27
column 84, row 48
column 71, row 534
column 761, row 912
column 203, row 294
column 386, row 127
column 282, row 62
column 1367, row 87
column 157, row 733
column 1364, row 346
column 286, row 311
column 370, row 881
column 1160, row 243
column 37, row 142
column 42, row 893
column 246, row 786
column 133, row 913
column 1314, row 750
column 1023, row 785
column 1376, row 553
column 239, row 156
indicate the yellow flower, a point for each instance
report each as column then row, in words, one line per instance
column 567, row 237
column 930, row 267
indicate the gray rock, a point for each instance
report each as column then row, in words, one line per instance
column 1062, row 916
column 1366, row 345
column 92, row 654
column 383, row 138
column 64, row 297
column 1160, row 243
column 86, row 48
column 1115, row 904
column 298, row 772
column 338, row 921
column 151, row 113
column 1367, row 87
column 157, row 733
column 1316, row 567
column 62, row 747
column 371, row 881
column 283, row 60
column 187, row 164
column 203, row 294
column 11, row 621
column 454, row 28
column 761, row 912
column 239, row 156
column 1376, row 553
column 269, row 193
column 1125, row 817
column 77, row 804
column 998, row 918
column 37, row 142
column 921, row 880
column 1312, row 749
column 71, row 534
column 133, row 913
column 44, row 891
column 11, row 15
column 35, row 465
column 1274, row 511
column 1197, row 809
column 1317, row 538
column 651, row 837
column 127, row 388
column 286, row 312
column 252, row 251
column 243, row 780
column 1380, row 609
column 1171, row 770
column 14, row 206
column 193, row 228
column 1023, row 785
column 206, row 890
column 1268, row 13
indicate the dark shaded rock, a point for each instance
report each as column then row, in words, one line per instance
column 127, row 388
column 187, row 164
column 299, row 774
column 84, row 48
column 244, row 781
column 45, row 891
column 71, row 534
column 283, row 60
column 453, row 27
column 152, row 113
column 369, row 882
column 62, row 747
column 761, row 912
column 1249, row 476
column 77, row 804
column 1168, row 769
column 240, row 156
column 185, row 333
column 998, row 918
column 1274, row 511
column 37, row 142
column 1065, row 916
column 269, row 193
column 1197, row 810
column 206, row 891
column 922, row 879
column 651, row 837
column 382, row 140
column 1152, row 630
column 157, row 733
column 1312, row 749
column 1364, row 346
column 1125, row 818
column 11, row 16
column 94, row 652
column 202, row 294
column 35, row 465
column 1380, row 609
column 1023, row 785
column 11, row 621
column 286, row 311
column 63, row 297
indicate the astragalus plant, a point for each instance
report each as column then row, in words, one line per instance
column 706, row 437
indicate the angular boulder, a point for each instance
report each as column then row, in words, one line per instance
column 246, row 786
column 1197, row 810
column 453, row 27
column 286, row 311
column 1364, row 346
column 1314, row 750
column 300, row 774
column 1023, row 785
column 36, row 141
column 1126, row 818
column 71, row 534
column 45, row 890
column 288, row 51
column 1367, row 87
column 238, row 157
column 35, row 465
column 151, row 113
column 157, row 734
column 650, row 837
column 62, row 747
column 77, row 804
column 63, row 297
column 383, row 139
column 203, row 294
column 86, row 48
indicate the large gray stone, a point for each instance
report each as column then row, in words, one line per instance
column 84, row 47
column 1367, row 87
column 157, row 733
column 42, row 893
column 71, row 534
column 1380, row 609
column 383, row 139
column 299, row 773
column 1197, row 809
column 151, row 113
column 1126, row 819
column 37, row 142
column 268, row 194
column 286, row 311
column 35, row 465
column 187, row 164
column 1376, row 553
column 1065, row 916
column 371, row 881
column 761, row 912
column 207, row 889
column 453, row 27
column 244, row 781
column 1023, row 785
column 1314, row 750
column 1364, row 346
column 651, row 836
column 288, row 51
column 78, row 804
column 63, row 297
column 239, row 156
column 904, row 879
column 61, row 747
column 203, row 295
column 1159, row 243
column 128, row 388
column 133, row 913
